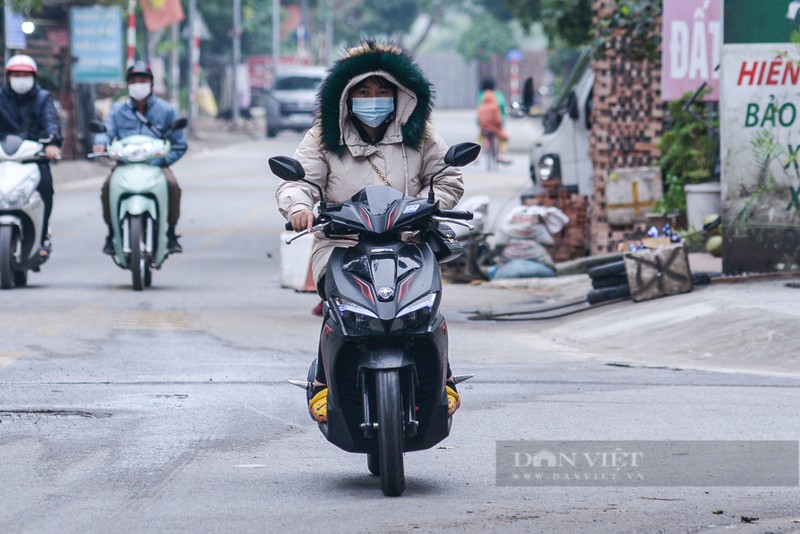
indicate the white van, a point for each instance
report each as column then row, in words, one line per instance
column 562, row 152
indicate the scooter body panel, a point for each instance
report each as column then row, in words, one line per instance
column 136, row 189
column 21, row 205
column 352, row 352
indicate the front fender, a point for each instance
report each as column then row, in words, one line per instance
column 384, row 358
column 11, row 220
column 138, row 205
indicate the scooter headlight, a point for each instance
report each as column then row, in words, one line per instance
column 417, row 314
column 137, row 153
column 17, row 197
column 549, row 168
column 356, row 318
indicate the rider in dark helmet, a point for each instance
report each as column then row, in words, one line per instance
column 146, row 114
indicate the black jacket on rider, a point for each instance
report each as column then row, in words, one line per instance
column 31, row 115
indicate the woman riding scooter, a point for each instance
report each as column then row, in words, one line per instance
column 373, row 128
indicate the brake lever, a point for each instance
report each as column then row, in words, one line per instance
column 317, row 228
column 460, row 223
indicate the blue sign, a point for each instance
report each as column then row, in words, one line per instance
column 15, row 37
column 96, row 38
column 514, row 55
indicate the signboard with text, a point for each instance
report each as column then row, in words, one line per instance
column 692, row 33
column 15, row 37
column 760, row 116
column 96, row 39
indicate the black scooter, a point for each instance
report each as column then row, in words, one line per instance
column 383, row 341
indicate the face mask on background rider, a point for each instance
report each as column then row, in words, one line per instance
column 373, row 111
column 21, row 84
column 139, row 91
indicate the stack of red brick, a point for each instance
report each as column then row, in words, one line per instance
column 573, row 240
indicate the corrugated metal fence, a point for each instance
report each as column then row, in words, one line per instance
column 455, row 81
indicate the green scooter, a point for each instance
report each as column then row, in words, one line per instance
column 138, row 202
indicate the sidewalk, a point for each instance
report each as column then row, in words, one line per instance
column 735, row 324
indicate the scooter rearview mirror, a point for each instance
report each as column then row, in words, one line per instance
column 286, row 168
column 179, row 124
column 462, row 154
column 291, row 170
column 457, row 156
column 96, row 127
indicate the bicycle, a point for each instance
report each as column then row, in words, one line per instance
column 490, row 148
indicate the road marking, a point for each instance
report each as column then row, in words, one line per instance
column 6, row 358
column 250, row 466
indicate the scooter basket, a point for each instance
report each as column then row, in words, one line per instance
column 444, row 243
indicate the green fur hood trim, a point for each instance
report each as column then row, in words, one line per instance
column 363, row 60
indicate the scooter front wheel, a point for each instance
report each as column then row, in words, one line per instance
column 138, row 263
column 8, row 246
column 389, row 402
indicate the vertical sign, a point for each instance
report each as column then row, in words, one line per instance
column 692, row 32
column 15, row 37
column 96, row 39
column 760, row 116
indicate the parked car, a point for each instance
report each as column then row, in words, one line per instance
column 292, row 101
column 562, row 153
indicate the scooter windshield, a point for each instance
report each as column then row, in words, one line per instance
column 11, row 144
column 377, row 199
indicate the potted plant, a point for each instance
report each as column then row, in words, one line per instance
column 690, row 160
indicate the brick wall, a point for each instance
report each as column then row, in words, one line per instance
column 627, row 119
column 573, row 240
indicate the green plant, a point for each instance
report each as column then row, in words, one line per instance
column 639, row 21
column 688, row 151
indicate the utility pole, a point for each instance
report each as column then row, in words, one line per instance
column 237, row 58
column 328, row 32
column 174, row 66
column 276, row 36
column 194, row 67
column 302, row 33
column 131, row 55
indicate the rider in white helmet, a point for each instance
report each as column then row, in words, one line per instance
column 27, row 110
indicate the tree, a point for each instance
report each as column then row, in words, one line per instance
column 525, row 11
column 486, row 38
column 437, row 10
column 564, row 21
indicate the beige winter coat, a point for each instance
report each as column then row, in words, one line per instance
column 406, row 169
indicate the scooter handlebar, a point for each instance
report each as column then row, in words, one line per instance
column 38, row 159
column 289, row 226
column 448, row 214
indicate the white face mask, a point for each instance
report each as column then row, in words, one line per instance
column 21, row 85
column 139, row 91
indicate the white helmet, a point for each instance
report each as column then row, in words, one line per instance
column 21, row 63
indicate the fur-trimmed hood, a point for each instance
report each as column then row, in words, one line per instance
column 414, row 96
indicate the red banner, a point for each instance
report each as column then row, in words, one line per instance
column 159, row 14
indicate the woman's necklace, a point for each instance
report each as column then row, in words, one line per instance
column 378, row 171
